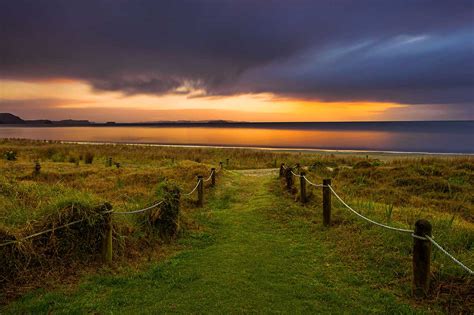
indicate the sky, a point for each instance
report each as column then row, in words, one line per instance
column 243, row 60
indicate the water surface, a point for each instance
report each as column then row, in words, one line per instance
column 433, row 137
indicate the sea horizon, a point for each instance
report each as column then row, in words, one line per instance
column 442, row 137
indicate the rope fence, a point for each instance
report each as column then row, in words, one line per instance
column 411, row 232
column 199, row 182
column 367, row 219
column 421, row 235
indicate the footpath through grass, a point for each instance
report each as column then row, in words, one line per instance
column 244, row 260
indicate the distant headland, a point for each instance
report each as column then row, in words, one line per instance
column 8, row 119
column 11, row 119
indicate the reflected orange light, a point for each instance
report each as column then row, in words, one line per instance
column 256, row 137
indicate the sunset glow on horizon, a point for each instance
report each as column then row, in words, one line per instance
column 69, row 99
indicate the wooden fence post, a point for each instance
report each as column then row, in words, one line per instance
column 37, row 168
column 107, row 241
column 227, row 162
column 289, row 179
column 282, row 169
column 213, row 177
column 221, row 165
column 421, row 259
column 298, row 166
column 200, row 191
column 109, row 162
column 303, row 187
column 326, row 202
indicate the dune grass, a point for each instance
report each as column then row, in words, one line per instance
column 246, row 260
column 254, row 247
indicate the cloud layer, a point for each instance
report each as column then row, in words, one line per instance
column 416, row 52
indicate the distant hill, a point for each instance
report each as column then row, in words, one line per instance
column 72, row 122
column 7, row 118
column 10, row 119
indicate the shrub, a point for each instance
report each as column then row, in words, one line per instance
column 73, row 159
column 165, row 217
column 10, row 155
column 362, row 164
column 49, row 152
column 88, row 158
column 58, row 157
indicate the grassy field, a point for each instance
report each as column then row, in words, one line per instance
column 253, row 247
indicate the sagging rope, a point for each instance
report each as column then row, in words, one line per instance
column 210, row 176
column 41, row 233
column 295, row 174
column 194, row 189
column 313, row 184
column 449, row 255
column 427, row 237
column 304, row 176
column 367, row 219
column 141, row 210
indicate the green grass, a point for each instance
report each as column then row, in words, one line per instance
column 246, row 260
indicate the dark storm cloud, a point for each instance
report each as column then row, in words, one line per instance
column 403, row 51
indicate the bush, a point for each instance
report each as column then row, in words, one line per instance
column 165, row 217
column 10, row 155
column 88, row 158
column 362, row 164
column 58, row 157
column 73, row 159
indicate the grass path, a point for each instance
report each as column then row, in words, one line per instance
column 243, row 261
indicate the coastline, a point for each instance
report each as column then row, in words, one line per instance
column 453, row 126
column 277, row 149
